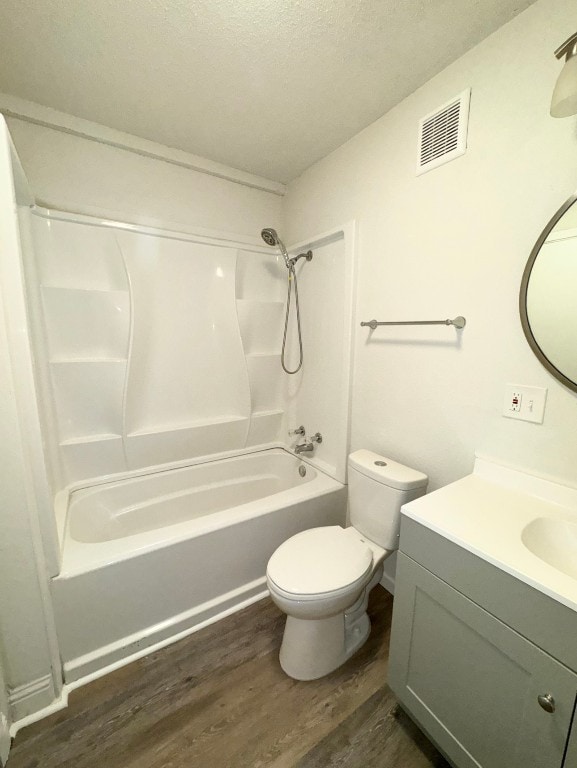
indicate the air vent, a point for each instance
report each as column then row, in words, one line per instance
column 443, row 133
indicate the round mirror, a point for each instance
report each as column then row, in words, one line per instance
column 548, row 298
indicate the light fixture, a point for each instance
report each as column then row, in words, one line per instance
column 564, row 101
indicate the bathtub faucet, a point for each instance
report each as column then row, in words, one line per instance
column 309, row 445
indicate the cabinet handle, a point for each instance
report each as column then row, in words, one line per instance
column 546, row 702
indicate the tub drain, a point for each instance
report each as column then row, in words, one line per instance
column 302, row 470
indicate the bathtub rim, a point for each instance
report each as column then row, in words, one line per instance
column 62, row 497
column 106, row 553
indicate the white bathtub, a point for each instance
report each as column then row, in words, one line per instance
column 147, row 559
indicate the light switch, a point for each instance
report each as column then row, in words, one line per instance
column 524, row 403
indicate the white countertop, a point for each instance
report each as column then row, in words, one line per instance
column 486, row 512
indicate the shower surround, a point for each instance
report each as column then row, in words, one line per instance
column 161, row 348
column 161, row 359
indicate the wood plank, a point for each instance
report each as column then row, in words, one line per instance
column 376, row 734
column 220, row 699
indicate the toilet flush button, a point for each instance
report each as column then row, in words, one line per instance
column 380, row 463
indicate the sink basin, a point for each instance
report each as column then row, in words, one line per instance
column 554, row 541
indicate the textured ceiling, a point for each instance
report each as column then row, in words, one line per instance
column 267, row 86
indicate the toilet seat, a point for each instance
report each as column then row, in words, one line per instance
column 320, row 562
column 317, row 596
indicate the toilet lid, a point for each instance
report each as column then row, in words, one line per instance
column 319, row 560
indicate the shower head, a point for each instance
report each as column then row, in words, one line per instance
column 270, row 237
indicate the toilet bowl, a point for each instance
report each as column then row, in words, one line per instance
column 321, row 578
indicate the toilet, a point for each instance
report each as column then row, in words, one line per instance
column 321, row 578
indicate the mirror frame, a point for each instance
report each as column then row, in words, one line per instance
column 542, row 357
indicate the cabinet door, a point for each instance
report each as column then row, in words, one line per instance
column 571, row 753
column 471, row 681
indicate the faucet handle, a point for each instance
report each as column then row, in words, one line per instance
column 298, row 431
column 317, row 438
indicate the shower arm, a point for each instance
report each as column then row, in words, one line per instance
column 308, row 256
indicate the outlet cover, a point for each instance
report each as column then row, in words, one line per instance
column 524, row 403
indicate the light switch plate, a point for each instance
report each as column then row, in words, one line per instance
column 524, row 403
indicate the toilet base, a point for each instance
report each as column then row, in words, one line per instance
column 312, row 648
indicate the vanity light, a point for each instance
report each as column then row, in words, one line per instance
column 564, row 102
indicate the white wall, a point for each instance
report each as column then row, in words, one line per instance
column 79, row 175
column 26, row 621
column 568, row 220
column 455, row 241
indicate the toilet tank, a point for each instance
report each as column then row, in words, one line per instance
column 378, row 487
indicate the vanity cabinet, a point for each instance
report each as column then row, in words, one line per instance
column 474, row 670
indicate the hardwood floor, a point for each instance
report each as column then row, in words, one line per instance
column 218, row 699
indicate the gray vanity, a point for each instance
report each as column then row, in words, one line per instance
column 484, row 638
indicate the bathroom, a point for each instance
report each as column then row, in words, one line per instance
column 119, row 192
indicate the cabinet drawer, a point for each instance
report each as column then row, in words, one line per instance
column 471, row 681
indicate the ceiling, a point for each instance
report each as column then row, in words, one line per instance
column 266, row 86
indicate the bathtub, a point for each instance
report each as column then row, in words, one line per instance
column 148, row 559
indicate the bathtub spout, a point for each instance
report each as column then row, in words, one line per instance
column 309, row 445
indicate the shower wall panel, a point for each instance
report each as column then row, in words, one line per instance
column 86, row 309
column 78, row 256
column 319, row 395
column 260, row 297
column 187, row 363
column 160, row 347
column 102, row 333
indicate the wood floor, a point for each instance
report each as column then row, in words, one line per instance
column 218, row 699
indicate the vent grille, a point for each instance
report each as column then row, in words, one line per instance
column 443, row 133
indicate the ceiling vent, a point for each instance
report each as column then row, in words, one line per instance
column 443, row 133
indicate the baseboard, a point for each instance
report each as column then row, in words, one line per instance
column 5, row 739
column 35, row 700
column 55, row 706
column 106, row 659
column 31, row 697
